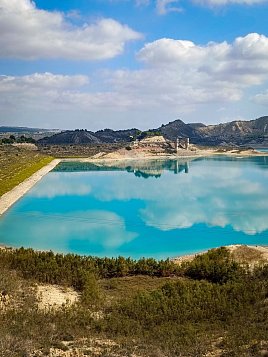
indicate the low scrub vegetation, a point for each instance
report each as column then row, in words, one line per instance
column 19, row 140
column 207, row 306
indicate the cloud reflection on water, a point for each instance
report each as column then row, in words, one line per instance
column 91, row 228
column 62, row 185
column 217, row 194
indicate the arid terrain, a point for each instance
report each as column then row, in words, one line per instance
column 213, row 305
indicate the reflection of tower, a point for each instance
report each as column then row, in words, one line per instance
column 181, row 167
column 176, row 167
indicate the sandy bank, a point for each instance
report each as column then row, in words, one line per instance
column 127, row 155
column 9, row 198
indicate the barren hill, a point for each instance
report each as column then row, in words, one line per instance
column 241, row 133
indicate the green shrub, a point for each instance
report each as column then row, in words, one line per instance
column 215, row 266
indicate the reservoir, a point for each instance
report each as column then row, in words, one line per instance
column 139, row 209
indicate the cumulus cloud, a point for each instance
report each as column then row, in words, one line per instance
column 30, row 33
column 178, row 76
column 246, row 59
column 36, row 91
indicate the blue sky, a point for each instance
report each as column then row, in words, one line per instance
column 132, row 63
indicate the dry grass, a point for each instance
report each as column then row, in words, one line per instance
column 78, row 151
column 249, row 254
column 17, row 164
column 127, row 287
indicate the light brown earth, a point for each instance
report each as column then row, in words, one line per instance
column 55, row 296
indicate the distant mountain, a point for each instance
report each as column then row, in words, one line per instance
column 21, row 129
column 111, row 136
column 253, row 132
column 88, row 137
column 71, row 137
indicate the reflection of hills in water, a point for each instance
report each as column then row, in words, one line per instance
column 154, row 168
column 145, row 169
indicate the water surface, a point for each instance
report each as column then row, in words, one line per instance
column 154, row 209
column 262, row 150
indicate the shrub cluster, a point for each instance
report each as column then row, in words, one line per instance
column 21, row 139
column 212, row 299
column 71, row 269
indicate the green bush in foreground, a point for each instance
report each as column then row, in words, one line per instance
column 221, row 306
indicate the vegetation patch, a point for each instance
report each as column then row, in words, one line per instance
column 17, row 164
column 210, row 306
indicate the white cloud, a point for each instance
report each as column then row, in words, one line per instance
column 42, row 81
column 261, row 98
column 165, row 6
column 142, row 2
column 213, row 3
column 177, row 76
column 30, row 33
column 37, row 91
column 246, row 59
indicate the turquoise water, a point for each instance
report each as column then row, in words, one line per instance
column 263, row 150
column 154, row 209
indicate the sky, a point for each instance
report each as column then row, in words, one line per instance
column 121, row 64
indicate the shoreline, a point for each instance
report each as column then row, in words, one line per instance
column 12, row 196
column 253, row 254
column 111, row 157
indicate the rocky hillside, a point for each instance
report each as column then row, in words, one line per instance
column 111, row 136
column 253, row 132
column 249, row 133
column 177, row 128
